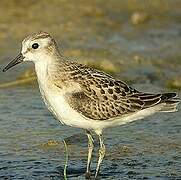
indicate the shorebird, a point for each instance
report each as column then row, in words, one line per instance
column 84, row 97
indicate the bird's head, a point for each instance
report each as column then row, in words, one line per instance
column 35, row 47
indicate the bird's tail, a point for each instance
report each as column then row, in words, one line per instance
column 169, row 102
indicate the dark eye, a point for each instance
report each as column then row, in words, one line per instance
column 35, row 45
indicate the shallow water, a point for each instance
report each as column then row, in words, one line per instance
column 146, row 55
column 149, row 148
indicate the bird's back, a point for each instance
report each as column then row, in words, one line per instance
column 102, row 97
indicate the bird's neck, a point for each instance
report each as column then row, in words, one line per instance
column 48, row 69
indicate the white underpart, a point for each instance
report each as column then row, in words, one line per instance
column 57, row 104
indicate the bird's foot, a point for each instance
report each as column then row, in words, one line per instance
column 88, row 175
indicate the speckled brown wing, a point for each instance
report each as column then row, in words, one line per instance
column 101, row 96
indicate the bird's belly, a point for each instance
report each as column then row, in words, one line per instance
column 59, row 106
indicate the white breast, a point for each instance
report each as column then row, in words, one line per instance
column 57, row 103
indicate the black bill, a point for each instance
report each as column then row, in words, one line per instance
column 14, row 62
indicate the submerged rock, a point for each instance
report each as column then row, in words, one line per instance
column 174, row 83
column 140, row 18
column 51, row 143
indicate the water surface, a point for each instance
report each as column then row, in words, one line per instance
column 101, row 34
column 148, row 148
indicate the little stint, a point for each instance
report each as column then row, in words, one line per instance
column 84, row 97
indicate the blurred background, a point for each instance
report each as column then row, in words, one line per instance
column 137, row 41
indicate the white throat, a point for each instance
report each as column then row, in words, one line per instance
column 41, row 68
column 42, row 65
